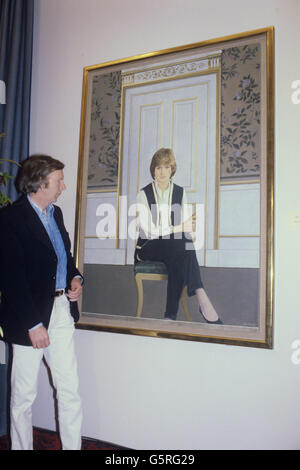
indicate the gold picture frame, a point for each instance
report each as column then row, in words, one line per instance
column 244, row 164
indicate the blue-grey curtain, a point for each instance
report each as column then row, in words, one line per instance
column 16, row 38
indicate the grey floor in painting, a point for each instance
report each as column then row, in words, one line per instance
column 111, row 290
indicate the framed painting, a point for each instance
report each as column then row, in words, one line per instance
column 212, row 103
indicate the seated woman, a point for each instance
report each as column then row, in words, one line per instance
column 164, row 235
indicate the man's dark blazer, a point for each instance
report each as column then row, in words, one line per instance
column 28, row 271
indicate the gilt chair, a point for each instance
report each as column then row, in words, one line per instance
column 154, row 271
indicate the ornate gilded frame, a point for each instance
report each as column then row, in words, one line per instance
column 260, row 336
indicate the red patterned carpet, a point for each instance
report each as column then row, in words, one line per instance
column 49, row 440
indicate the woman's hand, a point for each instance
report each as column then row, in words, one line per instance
column 187, row 226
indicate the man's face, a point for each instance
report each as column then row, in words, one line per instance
column 55, row 186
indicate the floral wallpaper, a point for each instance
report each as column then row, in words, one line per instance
column 240, row 113
column 240, row 120
column 105, row 132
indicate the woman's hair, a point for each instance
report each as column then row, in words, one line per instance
column 35, row 171
column 163, row 157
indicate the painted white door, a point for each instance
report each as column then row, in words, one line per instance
column 180, row 114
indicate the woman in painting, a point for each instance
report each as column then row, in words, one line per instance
column 164, row 235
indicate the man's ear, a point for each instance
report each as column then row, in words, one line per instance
column 43, row 186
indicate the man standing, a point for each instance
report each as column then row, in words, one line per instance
column 39, row 286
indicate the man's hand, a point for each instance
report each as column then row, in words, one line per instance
column 76, row 289
column 39, row 337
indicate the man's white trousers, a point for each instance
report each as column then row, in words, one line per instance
column 60, row 356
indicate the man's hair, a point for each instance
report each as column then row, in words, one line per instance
column 163, row 156
column 35, row 171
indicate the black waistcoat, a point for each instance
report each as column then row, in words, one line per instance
column 175, row 209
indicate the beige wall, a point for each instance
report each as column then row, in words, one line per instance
column 158, row 393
